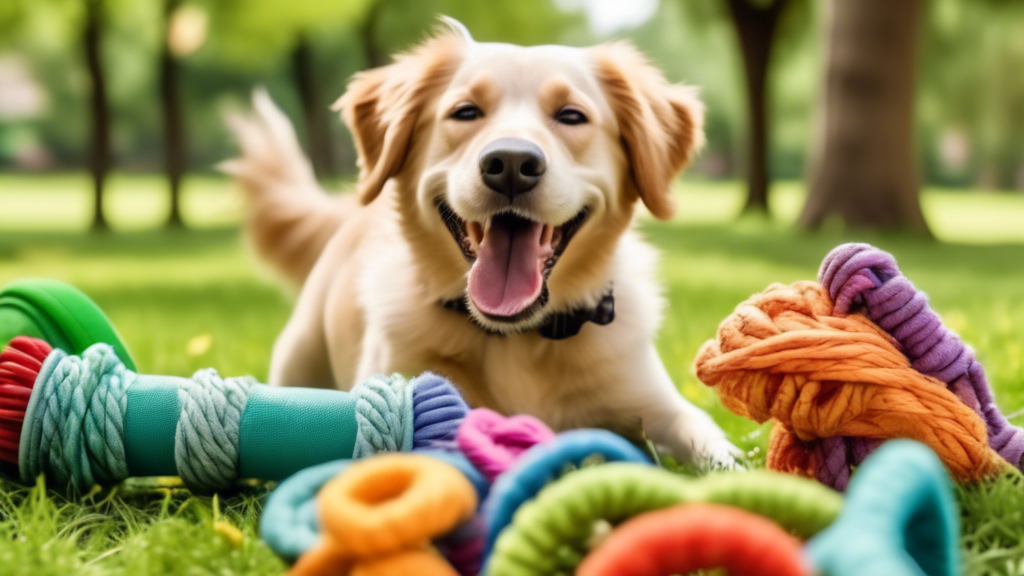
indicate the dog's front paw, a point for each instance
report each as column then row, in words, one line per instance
column 700, row 442
column 719, row 454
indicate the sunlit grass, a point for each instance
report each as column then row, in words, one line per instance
column 165, row 290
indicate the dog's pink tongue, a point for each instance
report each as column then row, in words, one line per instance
column 506, row 277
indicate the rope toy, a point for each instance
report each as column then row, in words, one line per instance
column 692, row 537
column 493, row 443
column 57, row 313
column 381, row 514
column 541, row 464
column 19, row 364
column 785, row 355
column 860, row 277
column 553, row 531
column 900, row 520
column 89, row 419
column 289, row 523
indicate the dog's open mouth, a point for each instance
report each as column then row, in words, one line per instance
column 512, row 258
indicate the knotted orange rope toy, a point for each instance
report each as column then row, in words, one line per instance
column 783, row 355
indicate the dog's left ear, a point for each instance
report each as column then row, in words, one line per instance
column 662, row 124
column 382, row 106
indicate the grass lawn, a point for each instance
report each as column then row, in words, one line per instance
column 187, row 300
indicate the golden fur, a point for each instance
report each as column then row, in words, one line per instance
column 370, row 303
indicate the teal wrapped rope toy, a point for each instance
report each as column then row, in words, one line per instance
column 91, row 420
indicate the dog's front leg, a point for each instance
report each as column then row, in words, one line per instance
column 670, row 420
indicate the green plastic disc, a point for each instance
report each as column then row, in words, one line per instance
column 58, row 313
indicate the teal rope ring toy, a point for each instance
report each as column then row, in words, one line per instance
column 901, row 518
column 541, row 464
column 551, row 532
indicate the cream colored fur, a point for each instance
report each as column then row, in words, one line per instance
column 370, row 303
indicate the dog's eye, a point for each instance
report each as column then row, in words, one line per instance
column 467, row 112
column 571, row 116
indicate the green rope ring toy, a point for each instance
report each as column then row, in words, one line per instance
column 550, row 533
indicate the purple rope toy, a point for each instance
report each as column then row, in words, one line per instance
column 862, row 278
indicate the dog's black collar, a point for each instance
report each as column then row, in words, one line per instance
column 561, row 325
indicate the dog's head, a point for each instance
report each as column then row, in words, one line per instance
column 518, row 168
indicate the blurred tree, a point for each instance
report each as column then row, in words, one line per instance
column 99, row 149
column 314, row 107
column 173, row 113
column 756, row 24
column 758, row 27
column 367, row 34
column 863, row 163
column 286, row 26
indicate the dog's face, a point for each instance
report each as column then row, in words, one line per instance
column 519, row 167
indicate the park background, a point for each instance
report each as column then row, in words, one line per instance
column 897, row 122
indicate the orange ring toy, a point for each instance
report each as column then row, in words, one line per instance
column 691, row 537
column 382, row 513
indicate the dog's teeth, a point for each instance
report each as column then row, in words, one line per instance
column 475, row 232
column 546, row 235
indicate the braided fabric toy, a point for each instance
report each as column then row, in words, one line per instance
column 899, row 519
column 552, row 533
column 89, row 419
column 693, row 537
column 380, row 515
column 837, row 384
column 862, row 278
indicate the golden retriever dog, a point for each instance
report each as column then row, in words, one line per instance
column 489, row 238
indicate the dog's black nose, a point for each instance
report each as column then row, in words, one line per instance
column 512, row 166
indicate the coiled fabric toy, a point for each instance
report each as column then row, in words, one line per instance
column 837, row 384
column 542, row 464
column 89, row 419
column 493, row 443
column 380, row 516
column 290, row 522
column 692, row 537
column 552, row 533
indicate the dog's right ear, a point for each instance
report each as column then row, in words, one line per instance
column 382, row 106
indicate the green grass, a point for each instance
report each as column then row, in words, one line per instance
column 165, row 290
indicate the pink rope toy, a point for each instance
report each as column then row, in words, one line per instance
column 493, row 443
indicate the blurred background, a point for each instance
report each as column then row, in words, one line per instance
column 855, row 106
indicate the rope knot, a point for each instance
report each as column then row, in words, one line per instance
column 206, row 438
column 438, row 409
column 384, row 415
column 783, row 355
column 76, row 433
column 860, row 277
column 493, row 443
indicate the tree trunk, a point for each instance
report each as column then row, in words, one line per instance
column 374, row 57
column 863, row 165
column 318, row 133
column 755, row 28
column 99, row 152
column 174, row 119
